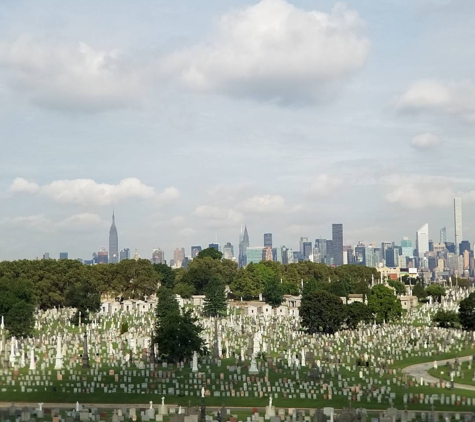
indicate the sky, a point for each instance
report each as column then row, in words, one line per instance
column 189, row 118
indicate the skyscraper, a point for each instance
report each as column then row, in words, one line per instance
column 301, row 250
column 179, row 257
column 307, row 251
column 102, row 257
column 422, row 240
column 268, row 240
column 243, row 245
column 406, row 247
column 113, row 242
column 458, row 224
column 63, row 255
column 228, row 251
column 337, row 244
column 195, row 250
column 443, row 235
column 320, row 251
column 124, row 254
column 158, row 256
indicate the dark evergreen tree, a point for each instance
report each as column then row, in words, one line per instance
column 215, row 302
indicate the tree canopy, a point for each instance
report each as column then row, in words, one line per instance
column 384, row 304
column 215, row 302
column 446, row 319
column 210, row 253
column 436, row 291
column 321, row 311
column 273, row 292
column 467, row 312
column 177, row 333
column 17, row 306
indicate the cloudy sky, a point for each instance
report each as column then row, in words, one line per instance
column 189, row 117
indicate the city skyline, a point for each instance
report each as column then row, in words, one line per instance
column 332, row 251
column 195, row 118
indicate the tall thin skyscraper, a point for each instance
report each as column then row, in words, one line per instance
column 113, row 242
column 422, row 239
column 337, row 244
column 243, row 245
column 458, row 224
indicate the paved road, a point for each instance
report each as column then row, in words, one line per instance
column 419, row 371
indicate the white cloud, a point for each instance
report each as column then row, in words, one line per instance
column 36, row 222
column 47, row 225
column 80, row 220
column 187, row 232
column 218, row 216
column 89, row 192
column 299, row 229
column 425, row 141
column 429, row 95
column 263, row 204
column 69, row 76
column 168, row 196
column 323, row 185
column 177, row 221
column 22, row 185
column 415, row 192
column 273, row 50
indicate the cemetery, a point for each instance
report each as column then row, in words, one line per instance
column 262, row 362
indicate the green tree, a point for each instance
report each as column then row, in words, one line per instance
column 436, row 291
column 201, row 271
column 244, row 285
column 210, row 253
column 273, row 292
column 312, row 285
column 398, row 286
column 357, row 312
column 184, row 290
column 178, row 336
column 467, row 312
column 339, row 288
column 446, row 319
column 167, row 275
column 462, row 282
column 419, row 291
column 215, row 302
column 166, row 305
column 322, row 312
column 17, row 305
column 85, row 297
column 384, row 304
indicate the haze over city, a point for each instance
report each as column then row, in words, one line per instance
column 190, row 118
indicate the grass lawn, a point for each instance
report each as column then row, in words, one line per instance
column 466, row 374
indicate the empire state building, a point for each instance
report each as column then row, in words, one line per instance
column 113, row 242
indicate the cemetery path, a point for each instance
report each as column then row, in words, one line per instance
column 419, row 371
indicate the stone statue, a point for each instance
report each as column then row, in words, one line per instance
column 151, row 405
column 163, row 401
column 202, row 392
column 270, row 402
column 40, row 406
